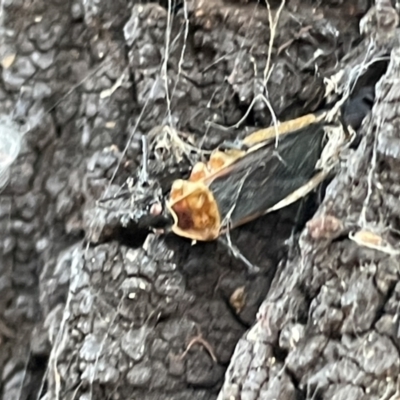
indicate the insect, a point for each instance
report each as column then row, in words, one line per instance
column 266, row 171
column 237, row 186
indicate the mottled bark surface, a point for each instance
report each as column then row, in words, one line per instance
column 93, row 310
column 332, row 311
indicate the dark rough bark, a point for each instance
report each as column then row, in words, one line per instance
column 332, row 311
column 92, row 310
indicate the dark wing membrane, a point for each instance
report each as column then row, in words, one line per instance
column 262, row 178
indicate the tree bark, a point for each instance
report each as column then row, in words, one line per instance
column 91, row 308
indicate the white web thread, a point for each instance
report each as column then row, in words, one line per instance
column 58, row 344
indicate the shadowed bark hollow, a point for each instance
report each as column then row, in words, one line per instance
column 93, row 306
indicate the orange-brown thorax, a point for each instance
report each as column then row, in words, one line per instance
column 192, row 205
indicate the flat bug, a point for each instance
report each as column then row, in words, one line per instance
column 267, row 170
